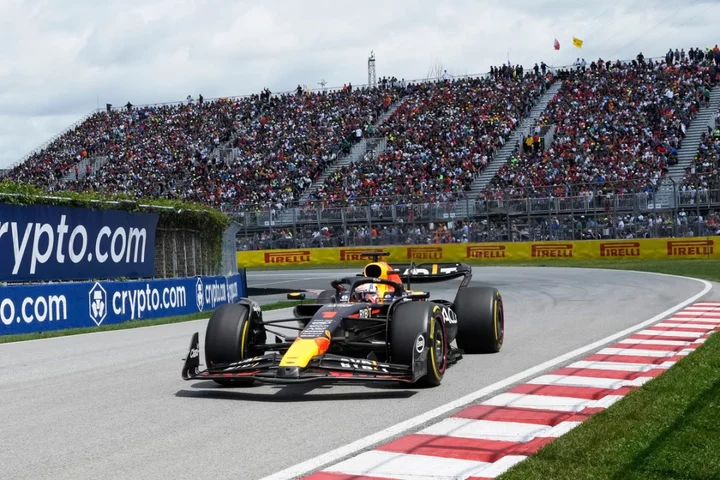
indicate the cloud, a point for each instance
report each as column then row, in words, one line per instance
column 63, row 60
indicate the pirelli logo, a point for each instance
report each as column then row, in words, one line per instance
column 287, row 256
column 690, row 248
column 486, row 251
column 552, row 250
column 355, row 254
column 424, row 253
column 620, row 249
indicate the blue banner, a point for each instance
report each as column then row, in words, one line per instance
column 48, row 243
column 39, row 308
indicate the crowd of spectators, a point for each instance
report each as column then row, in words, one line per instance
column 144, row 146
column 618, row 127
column 553, row 228
column 280, row 150
column 439, row 139
column 281, row 145
column 694, row 55
column 285, row 150
column 703, row 175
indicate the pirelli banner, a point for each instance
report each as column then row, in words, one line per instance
column 702, row 247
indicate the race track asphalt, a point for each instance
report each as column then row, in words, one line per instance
column 113, row 405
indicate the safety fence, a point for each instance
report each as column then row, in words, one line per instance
column 186, row 252
column 562, row 228
column 607, row 198
column 614, row 216
column 687, row 248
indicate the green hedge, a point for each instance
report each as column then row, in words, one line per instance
column 173, row 214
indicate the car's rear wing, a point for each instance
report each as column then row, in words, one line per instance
column 426, row 272
column 432, row 272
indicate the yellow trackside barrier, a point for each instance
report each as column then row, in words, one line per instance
column 655, row 248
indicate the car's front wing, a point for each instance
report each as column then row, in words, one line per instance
column 327, row 368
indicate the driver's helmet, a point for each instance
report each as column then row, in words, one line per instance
column 367, row 293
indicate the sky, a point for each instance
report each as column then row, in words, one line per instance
column 59, row 61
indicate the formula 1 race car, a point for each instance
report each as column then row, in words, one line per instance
column 367, row 328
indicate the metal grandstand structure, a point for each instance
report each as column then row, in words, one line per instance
column 578, row 200
column 534, row 218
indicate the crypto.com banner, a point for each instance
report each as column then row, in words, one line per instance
column 48, row 243
column 39, row 308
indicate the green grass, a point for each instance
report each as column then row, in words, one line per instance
column 668, row 429
column 129, row 324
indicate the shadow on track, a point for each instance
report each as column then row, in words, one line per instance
column 293, row 393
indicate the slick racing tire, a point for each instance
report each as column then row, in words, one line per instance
column 229, row 338
column 326, row 296
column 409, row 321
column 481, row 320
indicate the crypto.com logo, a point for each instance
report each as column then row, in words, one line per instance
column 199, row 296
column 97, row 299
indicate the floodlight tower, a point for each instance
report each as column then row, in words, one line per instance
column 322, row 83
column 372, row 80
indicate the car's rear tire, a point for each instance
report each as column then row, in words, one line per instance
column 481, row 320
column 229, row 338
column 326, row 296
column 409, row 321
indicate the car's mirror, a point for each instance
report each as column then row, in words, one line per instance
column 419, row 295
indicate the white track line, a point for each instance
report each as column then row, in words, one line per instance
column 332, row 456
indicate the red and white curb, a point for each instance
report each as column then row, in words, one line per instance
column 483, row 441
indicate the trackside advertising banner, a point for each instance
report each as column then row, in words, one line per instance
column 656, row 248
column 49, row 243
column 39, row 308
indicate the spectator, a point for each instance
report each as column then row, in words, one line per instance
column 439, row 140
column 281, row 145
column 616, row 130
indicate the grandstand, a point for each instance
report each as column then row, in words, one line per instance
column 611, row 138
column 607, row 136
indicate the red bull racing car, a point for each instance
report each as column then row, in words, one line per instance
column 368, row 328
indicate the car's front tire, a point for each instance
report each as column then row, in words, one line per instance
column 229, row 338
column 411, row 320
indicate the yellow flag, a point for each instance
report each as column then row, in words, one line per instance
column 577, row 42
